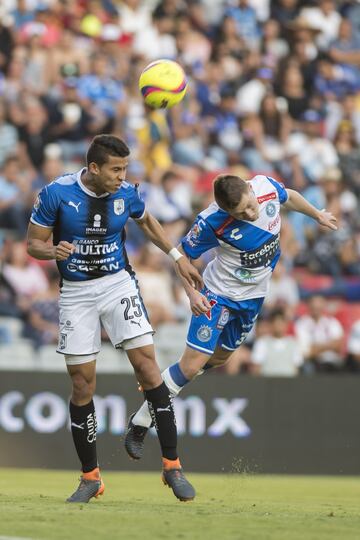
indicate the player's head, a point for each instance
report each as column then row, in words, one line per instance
column 235, row 196
column 107, row 161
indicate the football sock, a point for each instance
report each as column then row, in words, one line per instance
column 171, row 463
column 162, row 414
column 174, row 380
column 83, row 429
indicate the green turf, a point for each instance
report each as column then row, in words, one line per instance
column 138, row 506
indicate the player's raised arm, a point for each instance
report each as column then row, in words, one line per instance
column 298, row 203
column 154, row 231
column 39, row 248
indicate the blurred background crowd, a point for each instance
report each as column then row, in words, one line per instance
column 274, row 88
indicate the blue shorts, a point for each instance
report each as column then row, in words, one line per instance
column 226, row 325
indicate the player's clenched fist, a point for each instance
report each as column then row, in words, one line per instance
column 63, row 250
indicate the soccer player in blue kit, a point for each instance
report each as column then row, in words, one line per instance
column 243, row 226
column 86, row 213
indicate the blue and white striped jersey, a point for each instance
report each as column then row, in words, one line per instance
column 95, row 224
column 245, row 252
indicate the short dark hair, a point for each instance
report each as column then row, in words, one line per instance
column 228, row 190
column 103, row 146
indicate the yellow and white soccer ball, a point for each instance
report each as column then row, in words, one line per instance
column 163, row 84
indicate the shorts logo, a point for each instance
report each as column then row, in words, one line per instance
column 204, row 333
column 270, row 209
column 208, row 313
column 223, row 319
column 119, row 206
column 62, row 341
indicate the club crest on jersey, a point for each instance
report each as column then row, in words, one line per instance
column 37, row 203
column 270, row 209
column 119, row 206
column 204, row 333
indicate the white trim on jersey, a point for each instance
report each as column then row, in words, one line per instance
column 212, row 209
column 193, row 346
column 227, row 348
column 85, row 189
column 141, row 217
column 39, row 224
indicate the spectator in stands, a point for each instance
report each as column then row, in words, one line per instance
column 42, row 325
column 14, row 190
column 8, row 135
column 156, row 286
column 349, row 155
column 353, row 349
column 25, row 276
column 321, row 338
column 278, row 354
column 283, row 292
column 273, row 88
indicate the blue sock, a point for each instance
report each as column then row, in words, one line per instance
column 177, row 375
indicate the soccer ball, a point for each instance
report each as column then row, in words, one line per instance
column 163, row 84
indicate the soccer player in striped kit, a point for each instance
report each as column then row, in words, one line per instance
column 86, row 213
column 243, row 226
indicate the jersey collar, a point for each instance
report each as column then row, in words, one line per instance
column 85, row 189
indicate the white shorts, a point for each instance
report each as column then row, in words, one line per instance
column 114, row 300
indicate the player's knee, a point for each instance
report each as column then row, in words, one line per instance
column 82, row 389
column 147, row 371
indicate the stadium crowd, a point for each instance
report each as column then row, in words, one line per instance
column 274, row 88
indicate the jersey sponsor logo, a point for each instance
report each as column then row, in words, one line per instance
column 76, row 206
column 267, row 197
column 270, row 209
column 273, row 224
column 90, row 268
column 261, row 256
column 96, row 249
column 204, row 333
column 208, row 313
column 244, row 275
column 119, row 206
column 223, row 319
column 96, row 228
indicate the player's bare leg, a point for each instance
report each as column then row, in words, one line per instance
column 83, row 429
column 161, row 412
column 192, row 364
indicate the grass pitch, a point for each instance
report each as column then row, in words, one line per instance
column 138, row 507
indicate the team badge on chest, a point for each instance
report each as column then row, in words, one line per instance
column 119, row 206
column 270, row 209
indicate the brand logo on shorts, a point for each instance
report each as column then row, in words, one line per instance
column 62, row 341
column 212, row 303
column 119, row 206
column 224, row 318
column 270, row 209
column 204, row 333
